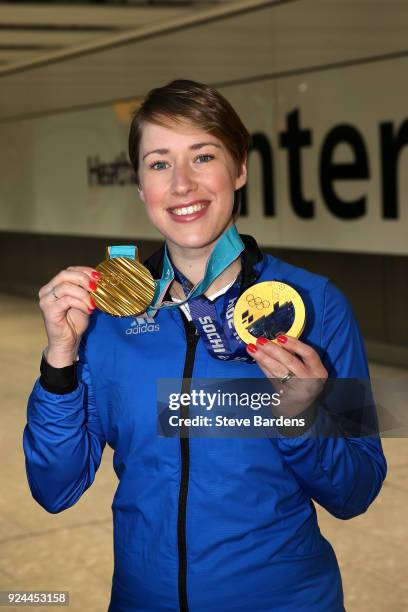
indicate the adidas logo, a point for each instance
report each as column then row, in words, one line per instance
column 142, row 325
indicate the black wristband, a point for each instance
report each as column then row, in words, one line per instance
column 58, row 380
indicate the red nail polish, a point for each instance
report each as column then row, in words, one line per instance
column 252, row 348
column 282, row 339
column 262, row 341
column 92, row 302
column 90, row 310
column 92, row 285
column 96, row 275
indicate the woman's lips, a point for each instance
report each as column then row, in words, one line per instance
column 187, row 217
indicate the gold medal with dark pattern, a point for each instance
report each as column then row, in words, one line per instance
column 267, row 310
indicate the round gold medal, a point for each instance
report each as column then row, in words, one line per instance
column 125, row 287
column 267, row 310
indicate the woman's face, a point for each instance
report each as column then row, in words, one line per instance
column 187, row 182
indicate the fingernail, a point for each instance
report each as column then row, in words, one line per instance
column 92, row 302
column 262, row 341
column 92, row 285
column 282, row 339
column 96, row 275
column 252, row 348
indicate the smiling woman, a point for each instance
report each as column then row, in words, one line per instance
column 183, row 186
column 189, row 151
column 201, row 523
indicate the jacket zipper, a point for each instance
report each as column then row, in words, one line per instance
column 192, row 339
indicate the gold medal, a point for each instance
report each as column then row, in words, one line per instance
column 125, row 287
column 267, row 310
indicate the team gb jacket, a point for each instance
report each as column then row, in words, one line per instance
column 205, row 524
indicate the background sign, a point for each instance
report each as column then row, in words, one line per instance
column 328, row 168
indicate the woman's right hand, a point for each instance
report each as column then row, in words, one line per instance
column 66, row 306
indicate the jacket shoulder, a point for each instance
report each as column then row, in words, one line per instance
column 276, row 269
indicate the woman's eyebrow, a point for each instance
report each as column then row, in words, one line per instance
column 194, row 147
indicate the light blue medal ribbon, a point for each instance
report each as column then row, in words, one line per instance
column 228, row 249
column 126, row 250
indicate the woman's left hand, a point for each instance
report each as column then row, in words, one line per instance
column 294, row 357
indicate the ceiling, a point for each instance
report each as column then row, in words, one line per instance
column 219, row 43
column 29, row 30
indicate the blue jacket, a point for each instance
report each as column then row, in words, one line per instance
column 205, row 524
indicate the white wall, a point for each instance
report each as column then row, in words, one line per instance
column 44, row 185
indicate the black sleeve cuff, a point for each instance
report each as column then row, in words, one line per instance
column 58, row 380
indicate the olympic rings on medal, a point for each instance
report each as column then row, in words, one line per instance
column 257, row 302
column 267, row 308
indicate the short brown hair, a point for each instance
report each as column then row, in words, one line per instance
column 202, row 106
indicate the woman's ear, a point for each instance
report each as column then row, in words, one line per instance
column 140, row 191
column 241, row 179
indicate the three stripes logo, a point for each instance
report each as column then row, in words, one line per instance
column 142, row 325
